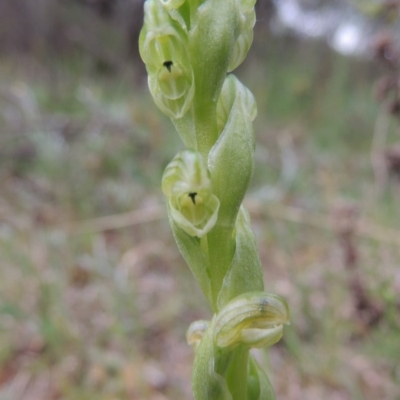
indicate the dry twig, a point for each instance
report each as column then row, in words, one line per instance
column 118, row 221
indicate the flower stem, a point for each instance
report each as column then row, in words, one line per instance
column 220, row 251
column 237, row 374
column 206, row 125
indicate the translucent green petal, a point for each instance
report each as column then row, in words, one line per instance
column 190, row 222
column 185, row 173
column 166, row 90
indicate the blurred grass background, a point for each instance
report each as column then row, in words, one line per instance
column 94, row 296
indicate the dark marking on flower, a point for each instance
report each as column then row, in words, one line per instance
column 168, row 65
column 263, row 304
column 193, row 197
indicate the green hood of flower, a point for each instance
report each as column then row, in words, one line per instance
column 187, row 185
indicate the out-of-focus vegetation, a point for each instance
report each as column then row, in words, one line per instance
column 97, row 308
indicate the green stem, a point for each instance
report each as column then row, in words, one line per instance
column 237, row 373
column 206, row 125
column 220, row 252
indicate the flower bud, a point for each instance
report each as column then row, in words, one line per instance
column 186, row 183
column 254, row 319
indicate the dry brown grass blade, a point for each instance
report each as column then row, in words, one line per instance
column 118, row 221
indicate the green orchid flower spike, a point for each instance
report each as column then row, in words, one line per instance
column 189, row 47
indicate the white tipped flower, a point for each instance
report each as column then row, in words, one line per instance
column 254, row 319
column 196, row 332
column 187, row 185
